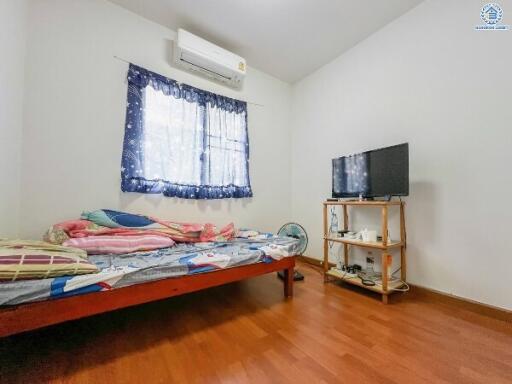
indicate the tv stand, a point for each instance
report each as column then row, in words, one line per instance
column 385, row 245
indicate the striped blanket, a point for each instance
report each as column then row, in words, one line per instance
column 97, row 245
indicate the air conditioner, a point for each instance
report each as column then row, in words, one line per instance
column 196, row 54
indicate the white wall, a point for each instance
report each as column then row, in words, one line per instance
column 430, row 79
column 427, row 78
column 75, row 111
column 12, row 55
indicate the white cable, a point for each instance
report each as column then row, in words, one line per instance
column 406, row 289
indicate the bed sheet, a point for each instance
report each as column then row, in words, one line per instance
column 118, row 271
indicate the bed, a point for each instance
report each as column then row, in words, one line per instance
column 136, row 278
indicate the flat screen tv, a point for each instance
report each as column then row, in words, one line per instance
column 377, row 173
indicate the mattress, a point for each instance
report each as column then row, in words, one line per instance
column 117, row 271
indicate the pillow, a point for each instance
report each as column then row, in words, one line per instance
column 22, row 259
column 119, row 244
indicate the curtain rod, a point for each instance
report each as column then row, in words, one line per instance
column 248, row 102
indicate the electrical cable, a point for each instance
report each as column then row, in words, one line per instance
column 406, row 289
column 401, row 289
column 366, row 281
column 395, row 271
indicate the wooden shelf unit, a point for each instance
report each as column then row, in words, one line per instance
column 385, row 245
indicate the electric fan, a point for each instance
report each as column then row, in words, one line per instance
column 297, row 232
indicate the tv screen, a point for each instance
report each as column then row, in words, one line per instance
column 380, row 172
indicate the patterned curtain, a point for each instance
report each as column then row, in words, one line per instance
column 182, row 141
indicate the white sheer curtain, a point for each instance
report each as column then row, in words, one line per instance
column 226, row 147
column 173, row 139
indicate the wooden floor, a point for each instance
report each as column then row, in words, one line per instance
column 247, row 332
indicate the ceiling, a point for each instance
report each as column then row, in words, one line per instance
column 288, row 39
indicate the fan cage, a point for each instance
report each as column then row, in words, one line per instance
column 285, row 231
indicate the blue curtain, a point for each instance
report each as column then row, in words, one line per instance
column 182, row 141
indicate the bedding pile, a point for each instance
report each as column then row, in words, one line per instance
column 121, row 225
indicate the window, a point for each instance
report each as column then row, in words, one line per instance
column 182, row 141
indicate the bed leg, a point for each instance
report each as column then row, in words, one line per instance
column 288, row 282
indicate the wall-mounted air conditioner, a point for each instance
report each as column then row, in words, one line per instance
column 196, row 54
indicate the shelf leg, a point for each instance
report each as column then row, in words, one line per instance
column 345, row 227
column 384, row 226
column 403, row 239
column 384, row 257
column 403, row 264
column 326, row 244
column 384, row 268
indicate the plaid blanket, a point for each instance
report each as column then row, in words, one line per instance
column 27, row 259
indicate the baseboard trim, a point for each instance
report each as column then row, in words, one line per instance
column 311, row 260
column 462, row 302
column 439, row 296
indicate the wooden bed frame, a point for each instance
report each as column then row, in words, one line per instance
column 26, row 317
